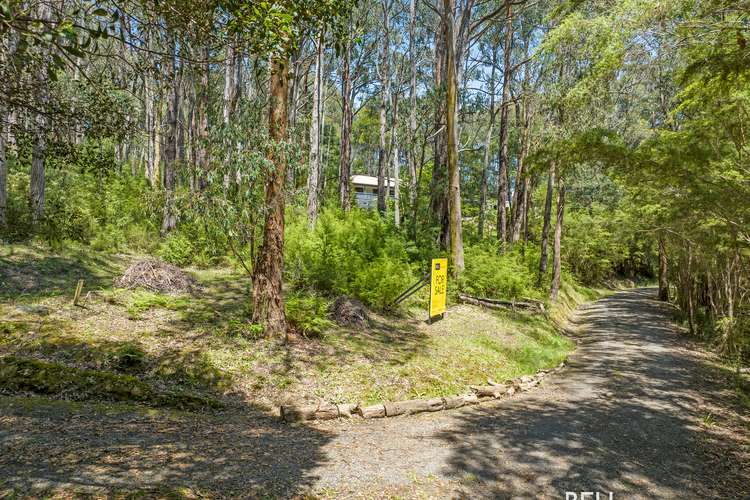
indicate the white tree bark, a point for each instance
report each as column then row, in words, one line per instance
column 313, row 179
column 413, row 115
column 383, row 185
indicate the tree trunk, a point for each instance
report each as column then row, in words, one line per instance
column 527, row 208
column 150, row 116
column 169, row 220
column 296, row 66
column 230, row 83
column 314, row 177
column 454, row 177
column 438, row 210
column 413, row 117
column 37, row 182
column 268, row 301
column 192, row 139
column 689, row 290
column 345, row 164
column 556, row 264
column 396, row 166
column 7, row 137
column 3, row 169
column 201, row 117
column 521, row 193
column 39, row 147
column 384, row 98
column 487, row 149
column 547, row 217
column 522, row 178
column 663, row 269
column 502, row 172
column 181, row 133
column 228, row 104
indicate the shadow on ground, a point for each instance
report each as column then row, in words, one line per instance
column 27, row 275
column 51, row 446
column 632, row 415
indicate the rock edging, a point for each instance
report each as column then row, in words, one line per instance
column 494, row 390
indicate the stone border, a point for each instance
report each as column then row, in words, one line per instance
column 494, row 390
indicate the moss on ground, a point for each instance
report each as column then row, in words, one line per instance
column 30, row 375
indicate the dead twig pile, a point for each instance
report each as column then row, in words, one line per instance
column 347, row 311
column 156, row 276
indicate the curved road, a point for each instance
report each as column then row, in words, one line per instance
column 637, row 412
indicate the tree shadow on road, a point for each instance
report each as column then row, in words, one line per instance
column 636, row 413
column 54, row 447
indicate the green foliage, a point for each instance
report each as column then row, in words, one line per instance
column 177, row 248
column 240, row 327
column 129, row 357
column 307, row 314
column 493, row 274
column 598, row 244
column 277, row 26
column 86, row 201
column 355, row 254
column 197, row 241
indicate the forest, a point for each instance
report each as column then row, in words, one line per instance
column 213, row 214
column 536, row 144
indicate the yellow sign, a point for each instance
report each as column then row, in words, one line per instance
column 438, row 286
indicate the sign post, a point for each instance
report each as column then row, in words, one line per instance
column 438, row 287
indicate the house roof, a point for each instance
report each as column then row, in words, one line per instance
column 370, row 180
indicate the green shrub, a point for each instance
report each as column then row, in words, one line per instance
column 307, row 314
column 177, row 249
column 86, row 201
column 382, row 281
column 355, row 254
column 490, row 273
column 196, row 241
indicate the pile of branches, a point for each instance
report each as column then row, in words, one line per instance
column 157, row 276
column 348, row 311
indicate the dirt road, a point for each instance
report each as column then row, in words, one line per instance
column 638, row 413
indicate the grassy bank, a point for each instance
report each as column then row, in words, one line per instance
column 199, row 347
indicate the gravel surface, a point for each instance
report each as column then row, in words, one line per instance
column 639, row 412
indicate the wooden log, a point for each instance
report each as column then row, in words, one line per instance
column 77, row 295
column 346, row 410
column 494, row 391
column 323, row 411
column 529, row 385
column 374, row 411
column 413, row 406
column 451, row 402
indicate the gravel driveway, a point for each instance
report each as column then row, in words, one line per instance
column 639, row 412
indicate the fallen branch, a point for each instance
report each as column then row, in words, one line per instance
column 526, row 304
column 413, row 406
